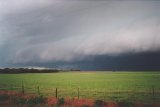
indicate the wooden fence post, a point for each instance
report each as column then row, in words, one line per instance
column 56, row 93
column 22, row 88
column 153, row 93
column 38, row 90
column 78, row 93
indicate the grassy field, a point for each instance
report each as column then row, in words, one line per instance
column 118, row 86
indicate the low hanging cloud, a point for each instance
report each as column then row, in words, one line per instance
column 140, row 37
column 51, row 31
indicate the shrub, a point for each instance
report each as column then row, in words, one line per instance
column 61, row 101
column 51, row 101
column 125, row 104
column 4, row 97
column 36, row 100
column 21, row 101
column 98, row 103
column 85, row 105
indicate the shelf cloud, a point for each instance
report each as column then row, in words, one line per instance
column 72, row 30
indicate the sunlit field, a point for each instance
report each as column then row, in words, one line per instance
column 109, row 86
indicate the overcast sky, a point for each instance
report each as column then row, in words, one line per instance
column 49, row 31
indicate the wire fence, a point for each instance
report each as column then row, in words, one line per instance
column 150, row 95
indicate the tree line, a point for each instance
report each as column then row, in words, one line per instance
column 26, row 70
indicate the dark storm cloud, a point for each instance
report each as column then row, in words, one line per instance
column 145, row 61
column 44, row 31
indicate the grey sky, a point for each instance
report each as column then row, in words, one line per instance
column 67, row 30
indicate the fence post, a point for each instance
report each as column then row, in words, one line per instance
column 22, row 88
column 78, row 93
column 38, row 90
column 56, row 93
column 153, row 93
column 104, row 94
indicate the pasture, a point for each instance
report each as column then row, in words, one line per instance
column 110, row 86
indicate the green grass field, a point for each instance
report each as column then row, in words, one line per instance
column 129, row 86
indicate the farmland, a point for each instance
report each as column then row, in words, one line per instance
column 109, row 86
